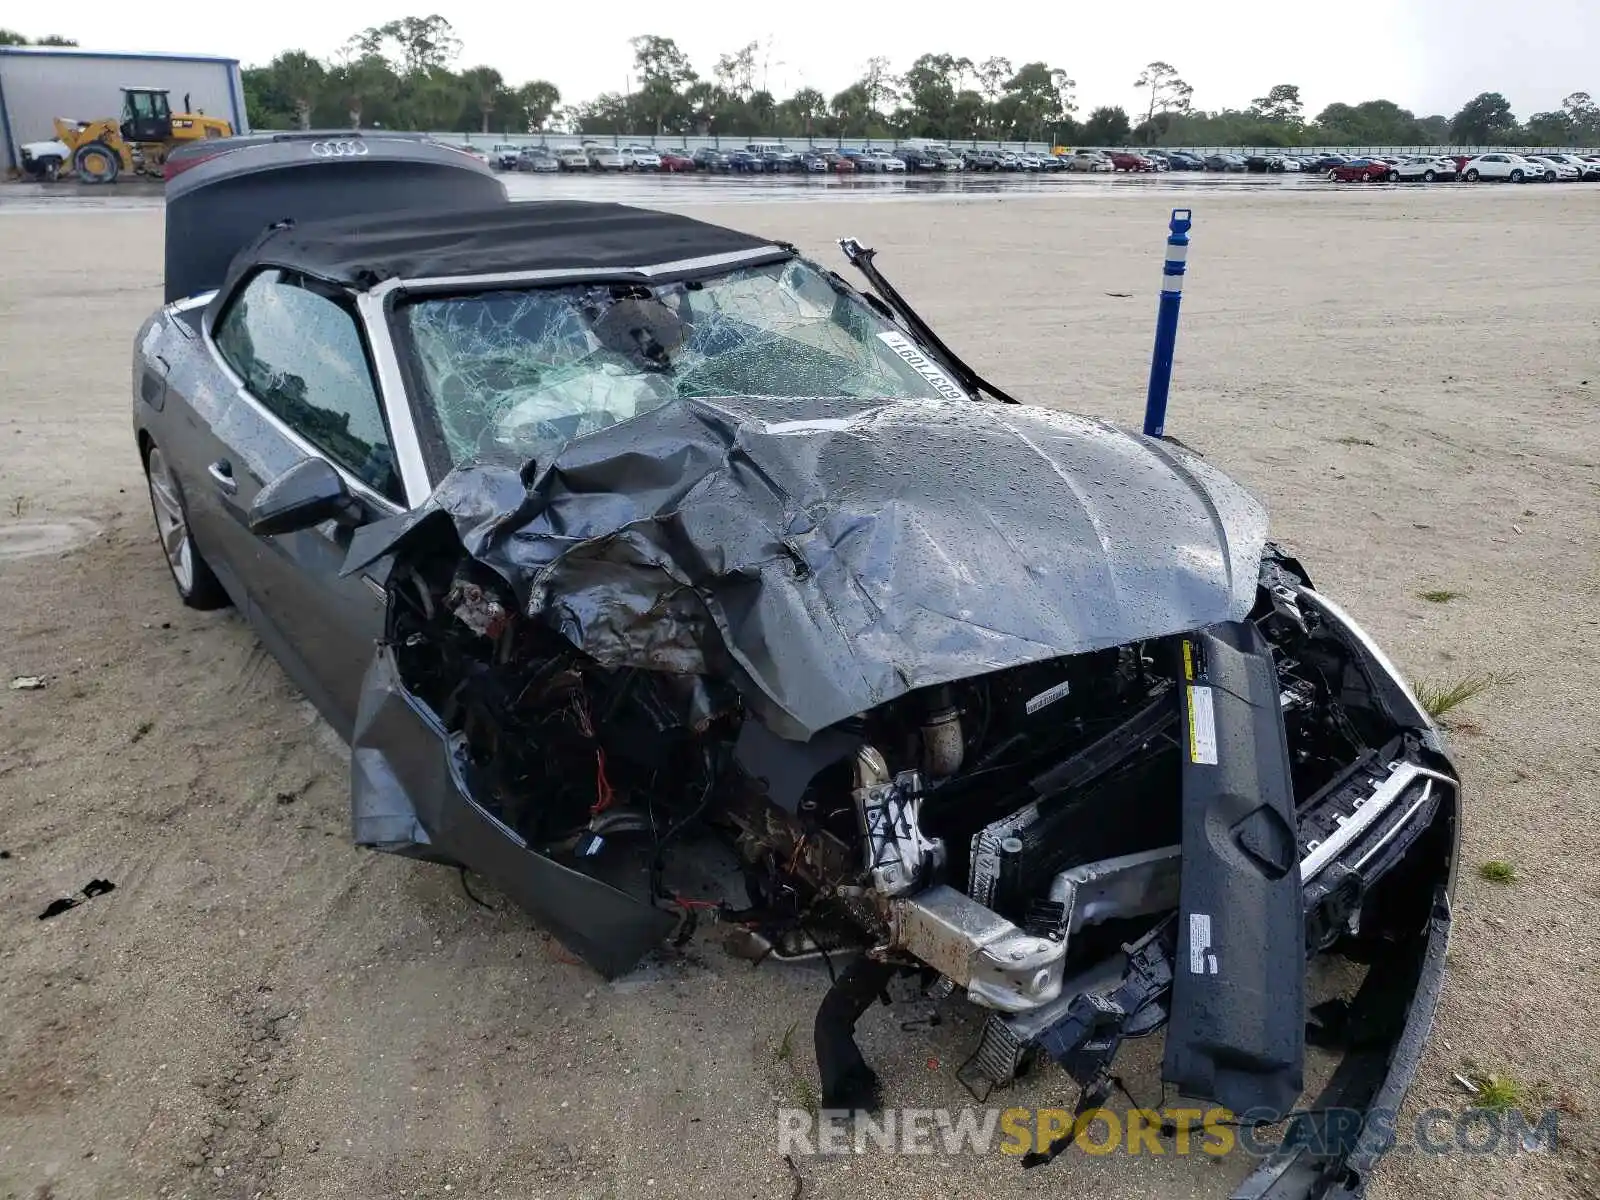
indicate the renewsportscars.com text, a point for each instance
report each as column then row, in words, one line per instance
column 1214, row 1132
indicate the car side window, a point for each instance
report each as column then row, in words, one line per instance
column 299, row 353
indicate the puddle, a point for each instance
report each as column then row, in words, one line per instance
column 720, row 188
column 31, row 539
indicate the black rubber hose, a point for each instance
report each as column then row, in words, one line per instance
column 847, row 1081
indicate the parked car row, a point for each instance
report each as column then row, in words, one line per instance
column 754, row 158
column 760, row 157
column 1528, row 168
column 924, row 156
column 1499, row 165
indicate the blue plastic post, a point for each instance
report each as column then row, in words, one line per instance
column 1155, row 401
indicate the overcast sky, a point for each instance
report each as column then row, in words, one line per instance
column 1427, row 55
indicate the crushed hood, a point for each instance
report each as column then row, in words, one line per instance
column 829, row 555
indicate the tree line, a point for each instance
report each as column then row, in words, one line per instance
column 398, row 75
column 1278, row 119
column 10, row 37
column 402, row 75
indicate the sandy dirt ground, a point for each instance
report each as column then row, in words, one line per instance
column 1408, row 379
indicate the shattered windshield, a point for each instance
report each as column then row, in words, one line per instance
column 513, row 375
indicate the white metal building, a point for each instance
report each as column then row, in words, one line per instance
column 40, row 83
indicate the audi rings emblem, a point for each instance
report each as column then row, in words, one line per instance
column 338, row 149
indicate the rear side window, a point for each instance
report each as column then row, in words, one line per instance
column 299, row 351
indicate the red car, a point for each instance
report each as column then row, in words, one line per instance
column 1126, row 160
column 1364, row 170
column 676, row 160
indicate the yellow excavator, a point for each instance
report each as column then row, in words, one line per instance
column 98, row 151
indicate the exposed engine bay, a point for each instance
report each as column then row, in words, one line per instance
column 1003, row 834
column 721, row 593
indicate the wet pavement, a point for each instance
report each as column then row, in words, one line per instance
column 765, row 189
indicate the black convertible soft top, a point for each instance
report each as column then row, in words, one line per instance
column 242, row 186
column 552, row 235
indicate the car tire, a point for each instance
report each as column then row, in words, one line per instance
column 96, row 162
column 47, row 168
column 1428, row 177
column 1516, row 177
column 1392, row 177
column 197, row 586
column 1472, row 175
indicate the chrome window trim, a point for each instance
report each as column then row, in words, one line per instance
column 191, row 302
column 649, row 270
column 372, row 308
column 242, row 391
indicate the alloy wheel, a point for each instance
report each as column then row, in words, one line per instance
column 171, row 524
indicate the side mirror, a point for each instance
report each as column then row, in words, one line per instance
column 307, row 494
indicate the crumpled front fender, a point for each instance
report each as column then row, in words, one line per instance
column 407, row 797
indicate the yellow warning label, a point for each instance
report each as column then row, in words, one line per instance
column 1188, row 662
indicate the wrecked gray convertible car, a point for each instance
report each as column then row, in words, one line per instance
column 656, row 573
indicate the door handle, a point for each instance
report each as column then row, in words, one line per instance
column 221, row 473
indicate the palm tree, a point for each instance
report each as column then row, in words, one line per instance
column 364, row 79
column 300, row 78
column 809, row 104
column 487, row 87
column 535, row 102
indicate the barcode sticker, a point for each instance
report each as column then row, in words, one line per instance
column 922, row 364
column 1048, row 697
column 1202, row 726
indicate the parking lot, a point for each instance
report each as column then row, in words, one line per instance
column 719, row 188
column 1406, row 376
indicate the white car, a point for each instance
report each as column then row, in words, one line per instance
column 607, row 158
column 1027, row 161
column 1089, row 160
column 1565, row 171
column 572, row 158
column 1503, row 166
column 45, row 160
column 886, row 161
column 1586, row 168
column 1426, row 169
column 503, row 156
column 642, row 158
